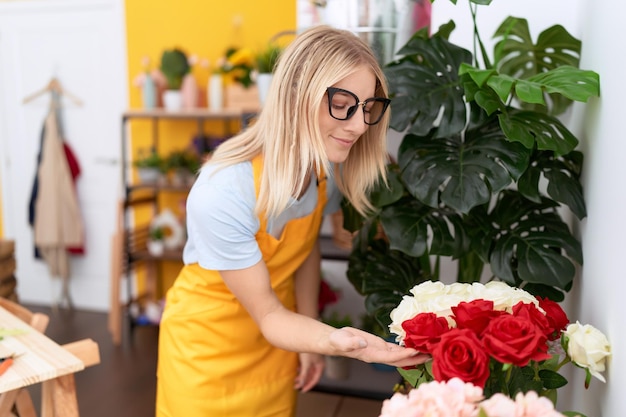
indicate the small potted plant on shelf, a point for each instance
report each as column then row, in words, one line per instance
column 156, row 241
column 150, row 167
column 265, row 63
column 337, row 367
column 174, row 67
column 184, row 166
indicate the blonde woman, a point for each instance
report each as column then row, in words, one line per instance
column 240, row 335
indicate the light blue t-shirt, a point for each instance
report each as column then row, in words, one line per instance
column 221, row 224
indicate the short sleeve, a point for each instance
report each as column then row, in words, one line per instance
column 221, row 225
column 334, row 196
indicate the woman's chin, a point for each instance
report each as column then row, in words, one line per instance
column 338, row 157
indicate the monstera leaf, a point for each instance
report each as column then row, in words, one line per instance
column 531, row 243
column 461, row 172
column 431, row 67
column 491, row 91
column 516, row 54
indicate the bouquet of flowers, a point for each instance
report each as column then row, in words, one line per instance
column 499, row 338
column 237, row 65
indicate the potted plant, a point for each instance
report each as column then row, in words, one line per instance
column 174, row 66
column 184, row 165
column 265, row 62
column 486, row 171
column 156, row 241
column 150, row 166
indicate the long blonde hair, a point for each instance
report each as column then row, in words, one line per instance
column 287, row 131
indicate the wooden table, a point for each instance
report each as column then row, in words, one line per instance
column 39, row 359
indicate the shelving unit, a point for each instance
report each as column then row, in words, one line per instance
column 129, row 243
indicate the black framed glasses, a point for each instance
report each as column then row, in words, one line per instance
column 343, row 104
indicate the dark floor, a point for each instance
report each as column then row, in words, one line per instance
column 124, row 383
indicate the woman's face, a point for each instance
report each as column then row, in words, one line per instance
column 340, row 135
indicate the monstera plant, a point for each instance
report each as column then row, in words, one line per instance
column 486, row 174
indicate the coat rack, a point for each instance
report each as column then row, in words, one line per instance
column 53, row 86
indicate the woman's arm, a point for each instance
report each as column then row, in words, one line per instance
column 307, row 284
column 298, row 333
column 307, row 288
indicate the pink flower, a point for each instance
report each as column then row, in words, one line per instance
column 525, row 405
column 453, row 398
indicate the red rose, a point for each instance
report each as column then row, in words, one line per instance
column 475, row 315
column 460, row 354
column 556, row 317
column 533, row 314
column 516, row 340
column 424, row 330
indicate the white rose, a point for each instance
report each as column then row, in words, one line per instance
column 504, row 296
column 406, row 310
column 588, row 348
column 428, row 289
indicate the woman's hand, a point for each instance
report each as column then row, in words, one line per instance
column 310, row 371
column 355, row 343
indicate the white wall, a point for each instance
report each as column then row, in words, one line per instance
column 598, row 291
column 82, row 44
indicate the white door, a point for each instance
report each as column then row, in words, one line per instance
column 82, row 44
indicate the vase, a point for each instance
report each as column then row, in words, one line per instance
column 189, row 92
column 215, row 97
column 148, row 92
column 148, row 175
column 156, row 247
column 172, row 100
column 263, row 82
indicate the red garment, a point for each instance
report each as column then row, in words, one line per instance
column 72, row 162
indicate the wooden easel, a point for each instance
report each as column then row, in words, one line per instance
column 53, row 86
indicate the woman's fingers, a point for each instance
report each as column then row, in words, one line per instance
column 370, row 348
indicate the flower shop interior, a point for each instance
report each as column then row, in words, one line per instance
column 102, row 67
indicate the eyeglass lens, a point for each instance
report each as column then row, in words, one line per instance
column 344, row 105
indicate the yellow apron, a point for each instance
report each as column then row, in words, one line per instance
column 213, row 360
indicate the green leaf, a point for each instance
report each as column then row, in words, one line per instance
column 517, row 56
column 530, row 128
column 533, row 243
column 383, row 194
column 406, row 225
column 502, row 85
column 563, row 176
column 551, row 379
column 431, row 67
column 411, row 375
column 462, row 174
column 529, row 92
column 479, row 76
column 570, row 82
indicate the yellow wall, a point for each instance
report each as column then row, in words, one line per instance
column 204, row 29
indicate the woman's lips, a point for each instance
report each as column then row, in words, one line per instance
column 343, row 142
